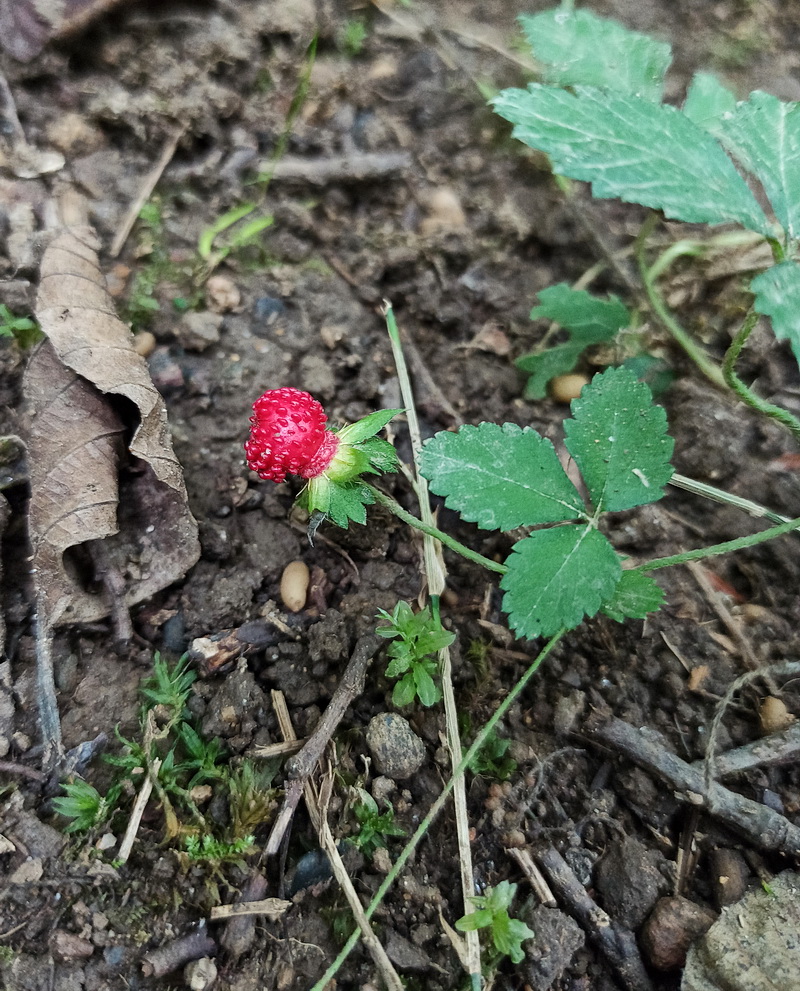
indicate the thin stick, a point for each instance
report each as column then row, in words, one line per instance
column 759, row 824
column 146, row 190
column 137, row 812
column 535, row 877
column 49, row 720
column 434, row 571
column 618, row 945
column 272, row 908
column 724, row 614
column 726, row 498
column 328, row 844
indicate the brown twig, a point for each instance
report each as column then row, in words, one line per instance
column 170, row 956
column 148, row 185
column 617, row 944
column 717, row 603
column 22, row 770
column 272, row 908
column 300, row 768
column 240, row 932
column 758, row 824
column 778, row 748
column 535, row 877
column 356, row 167
column 319, row 819
column 137, row 812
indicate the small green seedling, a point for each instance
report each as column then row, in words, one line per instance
column 352, row 36
column 492, row 760
column 217, row 852
column 24, row 330
column 169, row 686
column 492, row 913
column 83, row 804
column 374, row 826
column 418, row 638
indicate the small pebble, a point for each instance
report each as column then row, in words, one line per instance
column 294, row 585
column 671, row 928
column 198, row 331
column 729, row 875
column 444, row 212
column 200, row 974
column 773, row 715
column 396, row 749
column 68, row 946
column 222, row 294
column 565, row 388
column 144, row 343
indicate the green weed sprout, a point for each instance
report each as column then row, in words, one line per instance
column 352, row 36
column 169, row 686
column 374, row 825
column 492, row 913
column 217, row 852
column 492, row 760
column 418, row 638
column 24, row 330
column 83, row 804
column 598, row 114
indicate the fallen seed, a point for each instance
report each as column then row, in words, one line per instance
column 565, row 388
column 294, row 585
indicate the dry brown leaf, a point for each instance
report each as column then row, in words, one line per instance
column 76, row 449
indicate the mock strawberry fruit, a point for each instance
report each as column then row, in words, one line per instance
column 288, row 436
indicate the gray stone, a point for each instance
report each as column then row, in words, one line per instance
column 198, row 331
column 397, row 751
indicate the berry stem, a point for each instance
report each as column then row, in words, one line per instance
column 432, row 531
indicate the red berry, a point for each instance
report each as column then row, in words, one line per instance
column 288, row 436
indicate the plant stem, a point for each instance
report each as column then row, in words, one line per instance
column 437, row 806
column 682, row 337
column 440, row 535
column 434, row 569
column 744, row 392
column 727, row 498
column 724, row 548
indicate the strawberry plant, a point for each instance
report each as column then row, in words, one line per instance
column 504, row 477
column 598, row 114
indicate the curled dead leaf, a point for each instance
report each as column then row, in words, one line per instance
column 87, row 484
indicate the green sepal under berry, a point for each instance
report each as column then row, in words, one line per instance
column 368, row 426
column 338, row 493
column 557, row 577
column 635, row 596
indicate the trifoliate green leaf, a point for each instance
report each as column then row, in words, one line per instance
column 638, row 151
column 579, row 48
column 619, row 441
column 707, row 101
column 588, row 319
column 556, row 577
column 635, row 596
column 777, row 294
column 500, row 477
column 763, row 134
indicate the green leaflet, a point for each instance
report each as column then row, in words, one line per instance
column 619, row 441
column 557, row 577
column 777, row 293
column 763, row 133
column 500, row 477
column 578, row 47
column 635, row 596
column 638, row 151
column 588, row 319
column 706, row 102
